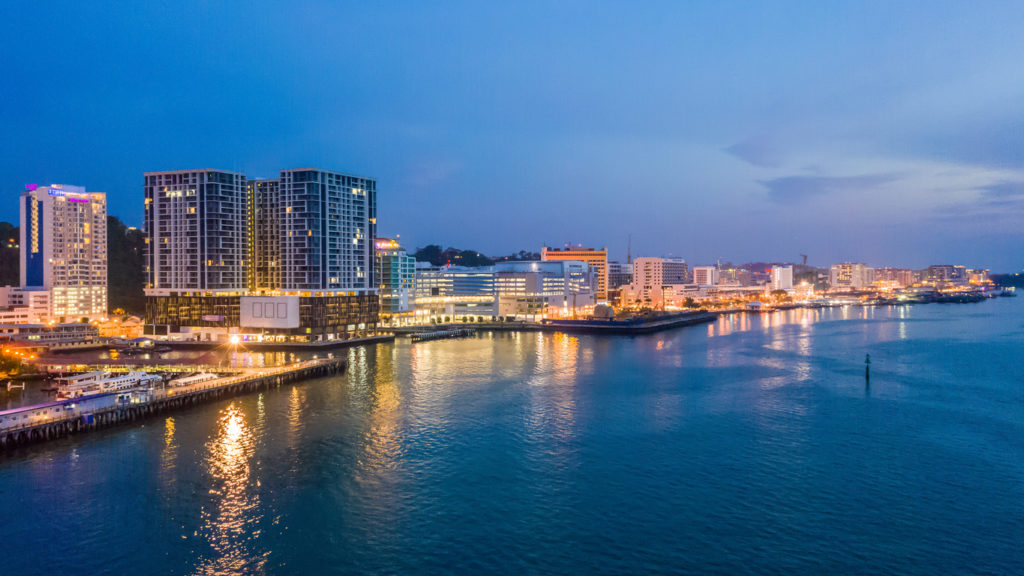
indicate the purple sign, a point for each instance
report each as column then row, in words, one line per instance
column 31, row 186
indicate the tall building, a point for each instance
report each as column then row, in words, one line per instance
column 674, row 271
column 850, row 275
column 652, row 277
column 619, row 275
column 705, row 275
column 64, row 249
column 596, row 259
column 328, row 222
column 782, row 277
column 264, row 231
column 396, row 273
column 286, row 260
column 196, row 232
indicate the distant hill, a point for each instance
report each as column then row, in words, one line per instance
column 441, row 257
column 125, row 264
column 126, row 277
column 10, row 255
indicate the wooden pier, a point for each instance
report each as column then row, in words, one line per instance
column 62, row 418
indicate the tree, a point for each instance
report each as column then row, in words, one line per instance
column 10, row 255
column 125, row 267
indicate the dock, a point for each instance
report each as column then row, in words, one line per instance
column 53, row 420
column 441, row 334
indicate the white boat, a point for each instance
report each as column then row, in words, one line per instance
column 102, row 382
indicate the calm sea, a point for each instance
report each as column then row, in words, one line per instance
column 748, row 446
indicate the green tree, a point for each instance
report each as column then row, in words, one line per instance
column 125, row 267
column 10, row 255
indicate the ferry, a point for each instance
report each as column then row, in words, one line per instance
column 92, row 383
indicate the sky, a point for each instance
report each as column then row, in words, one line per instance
column 890, row 133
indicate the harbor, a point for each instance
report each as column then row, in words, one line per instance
column 76, row 415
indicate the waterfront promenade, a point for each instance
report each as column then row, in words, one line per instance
column 52, row 420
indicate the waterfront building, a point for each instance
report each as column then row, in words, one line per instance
column 850, row 276
column 782, row 277
column 533, row 290
column 50, row 335
column 894, row 277
column 396, row 273
column 195, row 232
column 63, row 246
column 263, row 226
column 656, row 280
column 18, row 305
column 674, row 271
column 526, row 290
column 619, row 275
column 947, row 274
column 596, row 259
column 278, row 260
column 705, row 275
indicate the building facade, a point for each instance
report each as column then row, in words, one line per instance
column 525, row 290
column 850, row 276
column 597, row 260
column 396, row 274
column 782, row 277
column 895, row 277
column 196, row 233
column 286, row 260
column 705, row 275
column 64, row 249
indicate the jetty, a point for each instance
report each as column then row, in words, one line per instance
column 638, row 325
column 440, row 334
column 52, row 420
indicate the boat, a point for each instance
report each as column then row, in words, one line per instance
column 92, row 383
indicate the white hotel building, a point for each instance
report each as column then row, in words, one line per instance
column 64, row 250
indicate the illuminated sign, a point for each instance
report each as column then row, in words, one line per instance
column 31, row 187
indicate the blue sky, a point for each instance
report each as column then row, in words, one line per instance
column 889, row 133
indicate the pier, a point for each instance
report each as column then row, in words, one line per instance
column 52, row 420
column 440, row 334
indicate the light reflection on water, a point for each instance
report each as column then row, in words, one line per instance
column 230, row 519
column 748, row 445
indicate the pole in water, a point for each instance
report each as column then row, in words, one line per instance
column 867, row 368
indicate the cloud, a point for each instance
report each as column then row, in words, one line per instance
column 760, row 151
column 792, row 189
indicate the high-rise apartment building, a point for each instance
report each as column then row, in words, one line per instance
column 64, row 248
column 328, row 222
column 264, row 231
column 278, row 260
column 596, row 259
column 196, row 232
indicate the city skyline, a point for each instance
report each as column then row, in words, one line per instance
column 848, row 133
